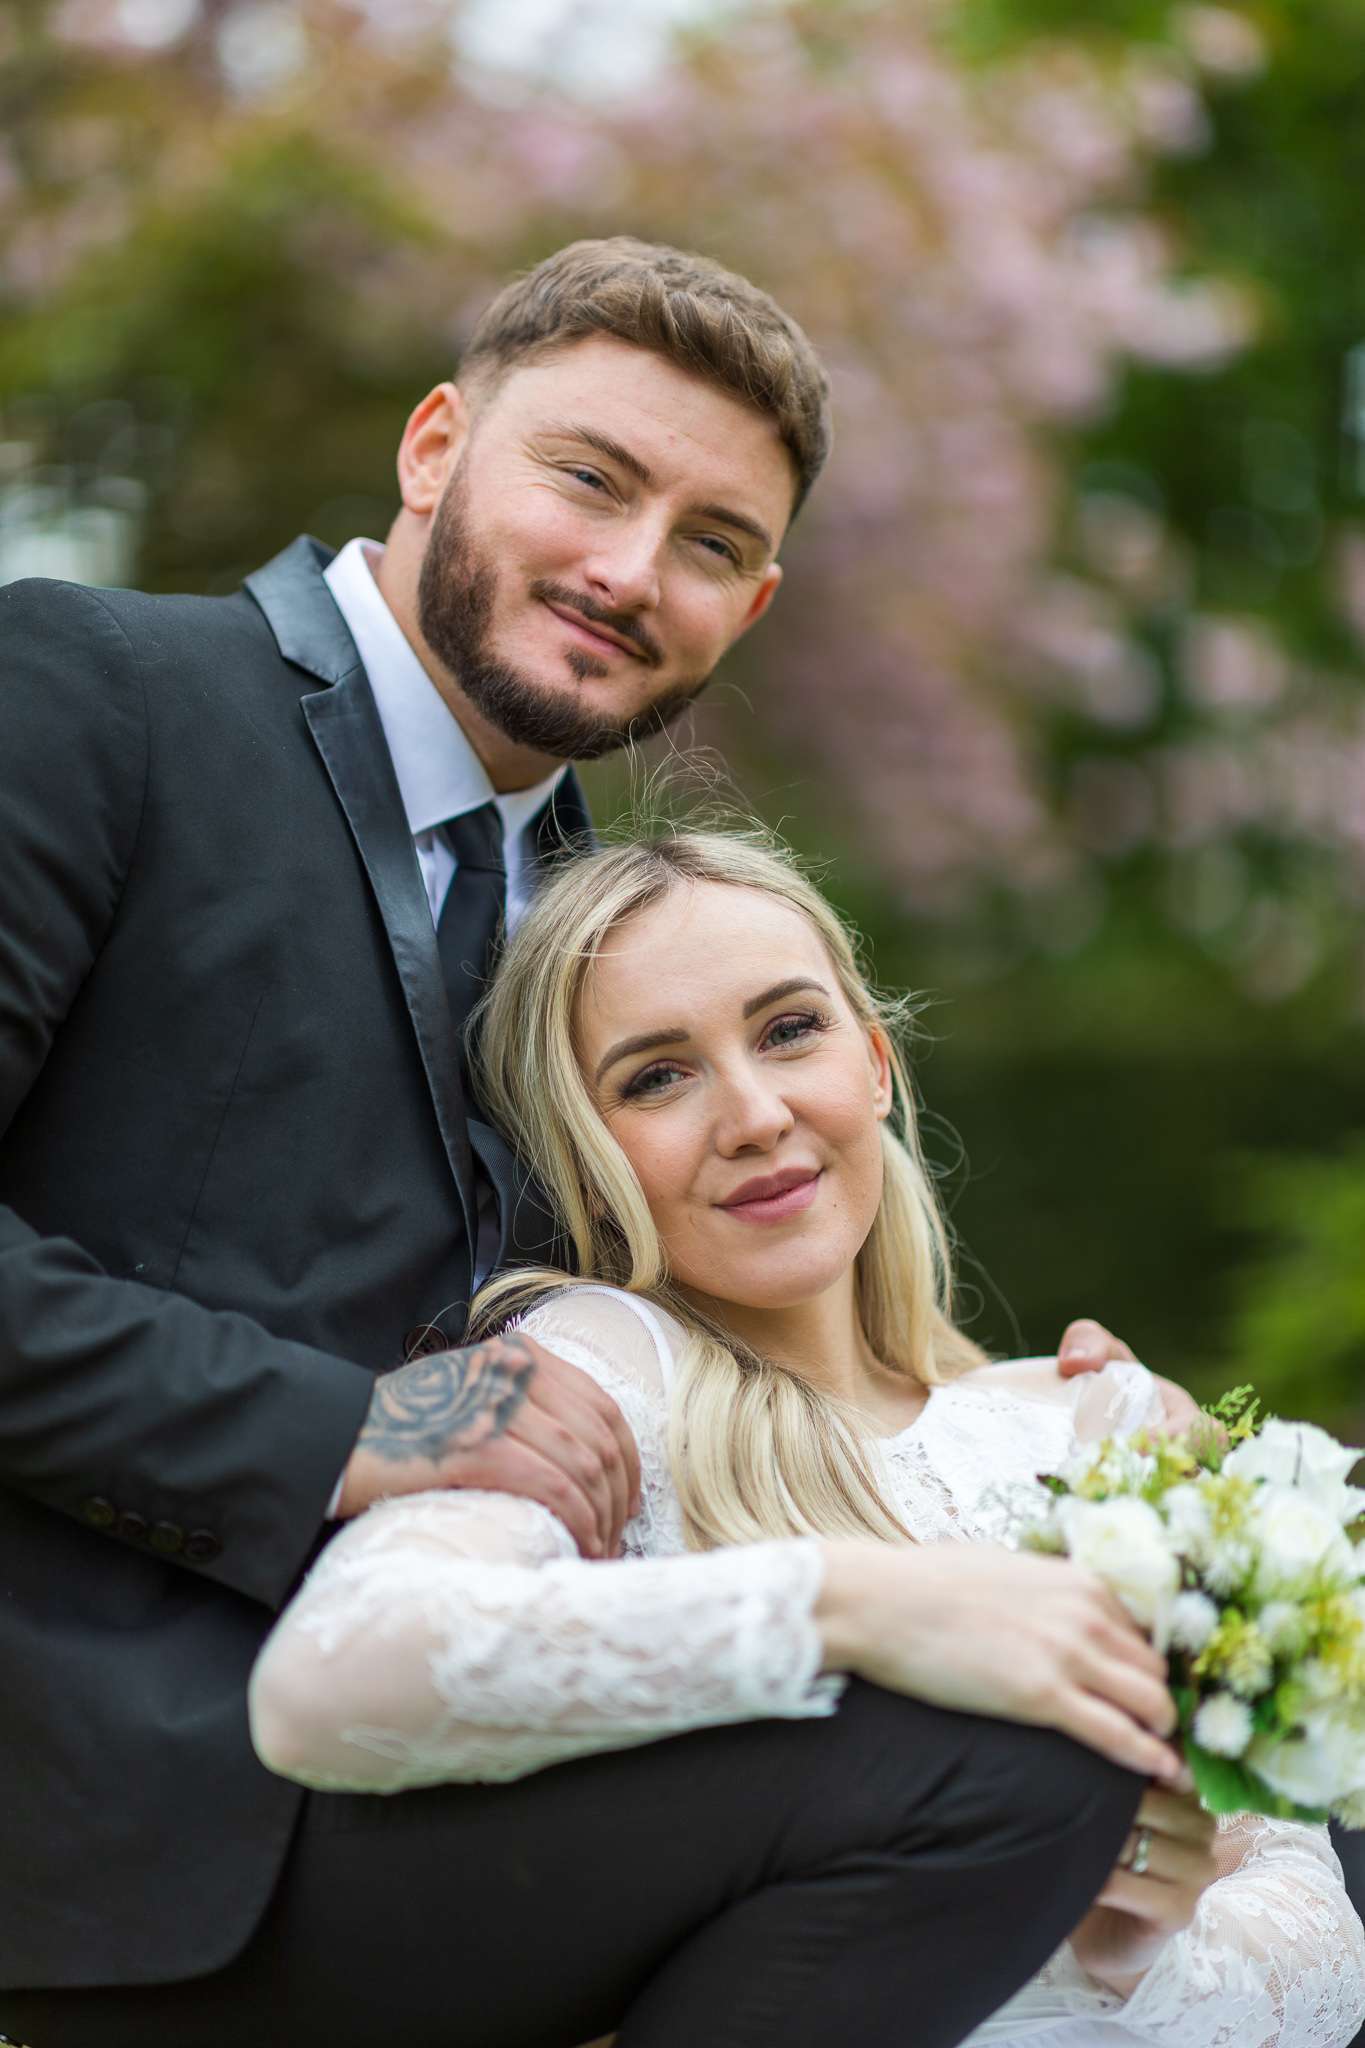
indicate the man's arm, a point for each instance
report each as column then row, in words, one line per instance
column 1087, row 1346
column 195, row 1433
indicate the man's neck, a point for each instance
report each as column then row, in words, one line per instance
column 507, row 766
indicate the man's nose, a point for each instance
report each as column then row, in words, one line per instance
column 624, row 572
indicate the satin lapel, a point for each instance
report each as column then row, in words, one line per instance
column 564, row 825
column 345, row 728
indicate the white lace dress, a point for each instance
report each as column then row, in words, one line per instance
column 458, row 1636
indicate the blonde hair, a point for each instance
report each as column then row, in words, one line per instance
column 755, row 1450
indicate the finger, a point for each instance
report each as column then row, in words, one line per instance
column 601, row 1459
column 1087, row 1346
column 517, row 1467
column 1151, row 1899
column 1176, row 1814
column 1171, row 1859
column 1179, row 1410
column 1116, row 1634
column 1142, row 1697
column 1106, row 1728
column 1134, row 1644
column 568, row 1383
column 598, row 1438
column 564, row 1448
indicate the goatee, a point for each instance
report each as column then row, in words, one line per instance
column 455, row 602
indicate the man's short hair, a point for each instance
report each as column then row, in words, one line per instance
column 697, row 314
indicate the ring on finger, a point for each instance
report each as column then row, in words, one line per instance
column 1138, row 1860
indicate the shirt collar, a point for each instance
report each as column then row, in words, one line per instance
column 439, row 774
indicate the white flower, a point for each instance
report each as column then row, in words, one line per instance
column 1229, row 1563
column 1318, row 1682
column 1301, row 1455
column 1223, row 1725
column 1125, row 1542
column 1189, row 1522
column 1298, row 1541
column 1112, row 1467
column 1350, row 1811
column 1284, row 1627
column 1317, row 1765
column 1194, row 1617
column 1019, row 1513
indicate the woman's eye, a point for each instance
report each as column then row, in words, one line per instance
column 653, row 1080
column 790, row 1030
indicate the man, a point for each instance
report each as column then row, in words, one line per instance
column 255, row 851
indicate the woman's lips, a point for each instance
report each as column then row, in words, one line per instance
column 776, row 1208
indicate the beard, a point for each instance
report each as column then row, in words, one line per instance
column 455, row 601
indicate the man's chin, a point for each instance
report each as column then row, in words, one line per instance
column 556, row 716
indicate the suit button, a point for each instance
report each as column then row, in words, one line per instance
column 202, row 1546
column 99, row 1513
column 132, row 1528
column 424, row 1341
column 167, row 1539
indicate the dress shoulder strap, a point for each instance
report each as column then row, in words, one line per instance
column 645, row 1312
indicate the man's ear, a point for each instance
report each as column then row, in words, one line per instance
column 432, row 442
column 763, row 597
column 883, row 1081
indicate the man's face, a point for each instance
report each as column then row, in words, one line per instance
column 607, row 530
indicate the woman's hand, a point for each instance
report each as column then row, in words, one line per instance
column 1137, row 1913
column 987, row 1631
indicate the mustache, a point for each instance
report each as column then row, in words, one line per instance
column 597, row 615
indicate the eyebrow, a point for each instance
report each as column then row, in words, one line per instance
column 650, row 1041
column 625, row 458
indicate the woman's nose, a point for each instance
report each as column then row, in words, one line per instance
column 754, row 1114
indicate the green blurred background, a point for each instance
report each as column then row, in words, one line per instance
column 1066, row 690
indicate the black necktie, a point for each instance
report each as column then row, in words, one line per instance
column 471, row 916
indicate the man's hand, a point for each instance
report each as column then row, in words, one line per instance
column 506, row 1416
column 1087, row 1346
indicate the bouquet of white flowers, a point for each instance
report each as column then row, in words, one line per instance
column 1232, row 1545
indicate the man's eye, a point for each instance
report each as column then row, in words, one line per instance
column 581, row 475
column 721, row 549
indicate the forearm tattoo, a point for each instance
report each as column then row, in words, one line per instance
column 454, row 1401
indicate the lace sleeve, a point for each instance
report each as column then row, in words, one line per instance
column 457, row 1636
column 1274, row 1958
column 1121, row 1398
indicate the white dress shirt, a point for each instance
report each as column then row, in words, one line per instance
column 439, row 774
column 439, row 777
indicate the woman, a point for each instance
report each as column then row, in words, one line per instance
column 682, row 1044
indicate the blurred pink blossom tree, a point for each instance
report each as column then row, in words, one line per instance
column 997, row 659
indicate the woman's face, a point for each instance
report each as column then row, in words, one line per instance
column 725, row 1059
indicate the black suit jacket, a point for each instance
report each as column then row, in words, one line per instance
column 236, row 1171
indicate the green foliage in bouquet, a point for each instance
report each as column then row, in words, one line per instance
column 1233, row 1545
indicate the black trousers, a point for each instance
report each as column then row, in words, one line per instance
column 887, row 1876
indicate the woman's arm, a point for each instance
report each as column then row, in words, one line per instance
column 1274, row 1956
column 457, row 1636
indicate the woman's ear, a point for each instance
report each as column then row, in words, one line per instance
column 879, row 1059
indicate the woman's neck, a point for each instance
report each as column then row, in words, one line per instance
column 823, row 1342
